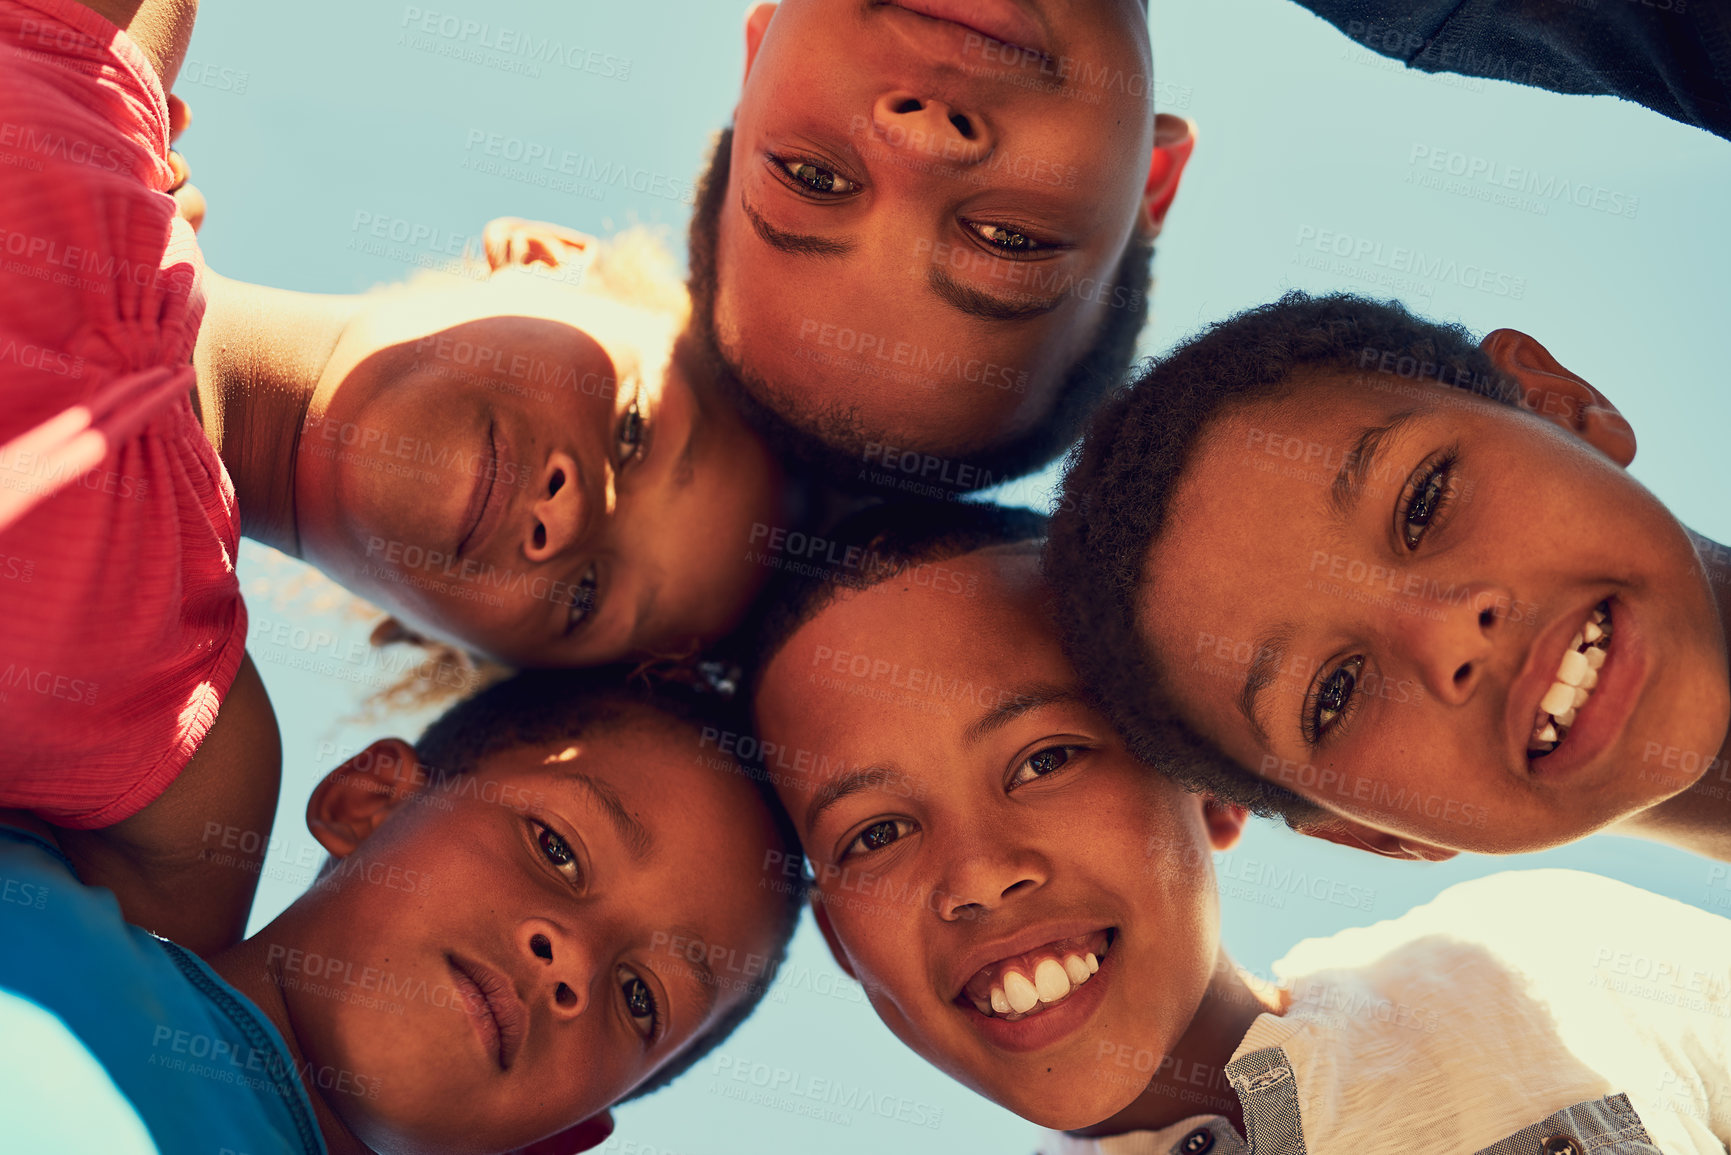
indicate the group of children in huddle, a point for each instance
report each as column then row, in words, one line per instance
column 1017, row 742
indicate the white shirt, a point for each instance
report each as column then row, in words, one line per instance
column 1479, row 1014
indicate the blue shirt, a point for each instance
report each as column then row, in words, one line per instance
column 202, row 1066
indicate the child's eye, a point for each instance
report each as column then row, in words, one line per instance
column 1426, row 494
column 629, row 443
column 815, row 179
column 1040, row 764
column 557, row 851
column 1007, row 240
column 877, row 836
column 1330, row 700
column 640, row 1004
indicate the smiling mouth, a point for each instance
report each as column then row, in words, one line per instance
column 1572, row 687
column 1027, row 984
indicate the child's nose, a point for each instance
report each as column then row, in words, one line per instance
column 1450, row 638
column 560, row 512
column 931, row 129
column 985, row 873
column 564, row 971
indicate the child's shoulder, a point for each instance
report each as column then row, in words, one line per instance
column 1560, row 913
column 184, row 1048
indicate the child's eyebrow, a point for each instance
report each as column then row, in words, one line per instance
column 1013, row 707
column 636, row 837
column 1264, row 668
column 843, row 786
column 1359, row 464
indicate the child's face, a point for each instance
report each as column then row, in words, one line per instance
column 923, row 223
column 512, row 953
column 1402, row 645
column 965, row 814
column 509, row 466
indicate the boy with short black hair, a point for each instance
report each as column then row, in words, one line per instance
column 485, row 964
column 1034, row 912
column 929, row 226
column 1338, row 563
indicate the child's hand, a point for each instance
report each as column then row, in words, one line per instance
column 186, row 197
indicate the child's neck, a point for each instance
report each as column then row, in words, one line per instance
column 1698, row 819
column 1191, row 1079
column 252, row 968
column 259, row 357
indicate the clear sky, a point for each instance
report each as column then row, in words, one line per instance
column 1311, row 169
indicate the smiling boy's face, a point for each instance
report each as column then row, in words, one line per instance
column 968, row 817
column 923, row 222
column 513, row 952
column 1386, row 655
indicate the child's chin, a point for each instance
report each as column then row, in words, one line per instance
column 1069, row 1108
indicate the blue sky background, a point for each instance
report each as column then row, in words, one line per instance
column 307, row 117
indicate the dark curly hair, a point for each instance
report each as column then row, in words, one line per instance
column 542, row 706
column 832, row 447
column 879, row 543
column 1119, row 482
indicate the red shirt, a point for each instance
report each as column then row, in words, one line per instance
column 121, row 623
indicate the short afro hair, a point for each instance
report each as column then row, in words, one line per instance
column 537, row 707
column 829, row 448
column 877, row 544
column 1119, row 482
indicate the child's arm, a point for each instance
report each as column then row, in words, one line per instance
column 177, row 866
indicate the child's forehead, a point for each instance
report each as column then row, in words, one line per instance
column 994, row 590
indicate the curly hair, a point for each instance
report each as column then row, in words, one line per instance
column 1119, row 483
column 543, row 706
column 877, row 544
column 832, row 446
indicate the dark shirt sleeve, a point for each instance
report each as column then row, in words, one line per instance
column 1674, row 56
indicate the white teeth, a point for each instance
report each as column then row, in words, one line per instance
column 1599, row 616
column 1591, row 632
column 1595, row 657
column 1566, row 718
column 1581, row 697
column 1573, row 668
column 1050, row 981
column 1076, row 969
column 1548, row 734
column 981, row 1005
column 1000, row 1004
column 1093, row 963
column 1591, row 680
column 1021, row 993
column 1576, row 644
column 1558, row 698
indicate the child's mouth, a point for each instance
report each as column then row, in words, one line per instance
column 1027, row 984
column 1573, row 684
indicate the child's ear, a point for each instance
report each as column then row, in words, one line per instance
column 591, row 1132
column 756, row 23
column 1174, row 140
column 1346, row 832
column 1561, row 397
column 1225, row 823
column 821, row 914
column 353, row 799
column 514, row 243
